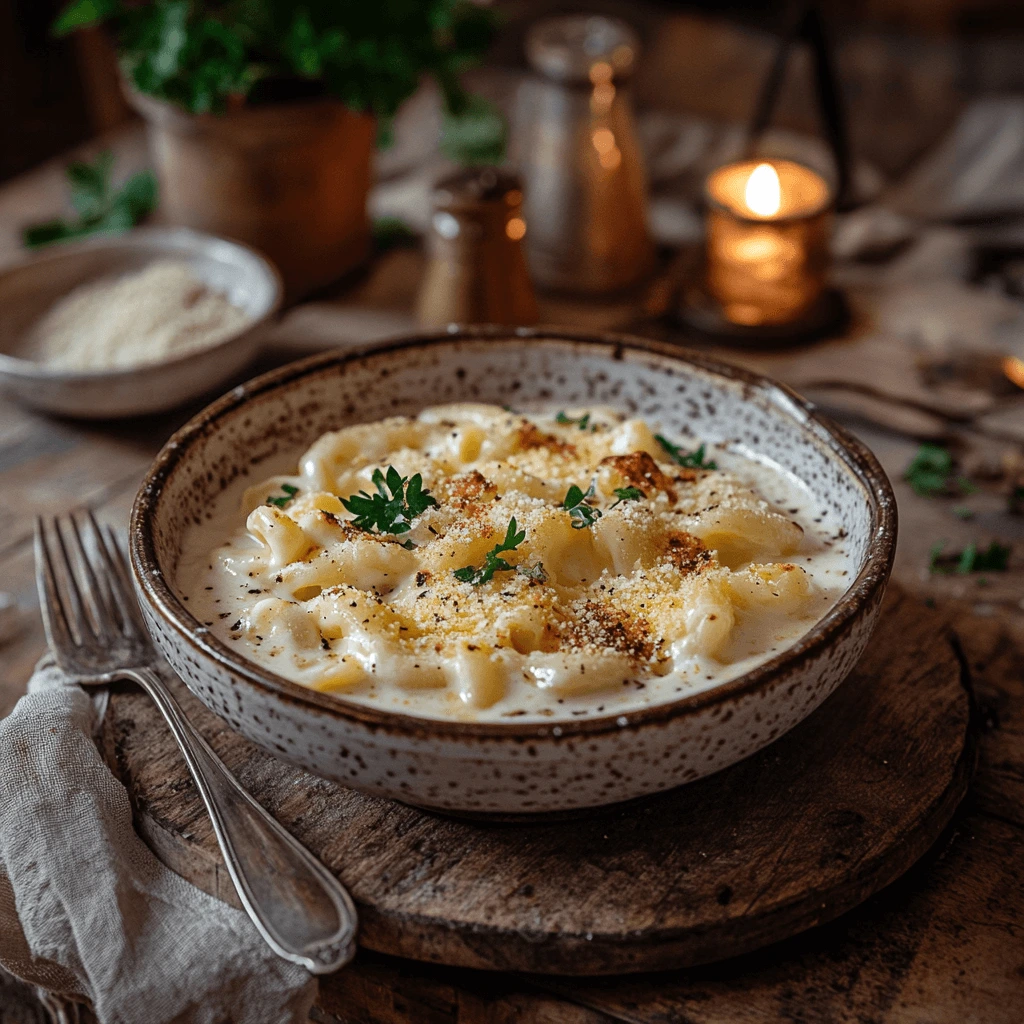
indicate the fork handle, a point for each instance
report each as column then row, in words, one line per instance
column 300, row 908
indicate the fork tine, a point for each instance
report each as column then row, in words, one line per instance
column 84, row 617
column 94, row 596
column 120, row 590
column 51, row 603
column 125, row 577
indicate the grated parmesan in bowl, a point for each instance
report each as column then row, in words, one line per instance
column 127, row 325
column 158, row 313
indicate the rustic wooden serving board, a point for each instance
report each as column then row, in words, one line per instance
column 790, row 838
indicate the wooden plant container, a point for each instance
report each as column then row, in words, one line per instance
column 289, row 179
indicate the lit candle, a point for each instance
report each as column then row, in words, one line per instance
column 767, row 241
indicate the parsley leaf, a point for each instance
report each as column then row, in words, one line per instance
column 389, row 512
column 575, row 503
column 691, row 460
column 931, row 472
column 582, row 421
column 101, row 209
column 283, row 500
column 628, row 494
column 214, row 55
column 972, row 559
column 492, row 563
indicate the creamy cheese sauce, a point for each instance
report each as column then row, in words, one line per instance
column 653, row 580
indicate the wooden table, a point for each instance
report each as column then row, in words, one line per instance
column 943, row 944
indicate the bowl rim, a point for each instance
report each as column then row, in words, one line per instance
column 174, row 240
column 866, row 588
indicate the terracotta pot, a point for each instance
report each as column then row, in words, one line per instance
column 290, row 180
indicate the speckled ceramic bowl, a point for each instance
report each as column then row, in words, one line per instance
column 510, row 769
column 30, row 287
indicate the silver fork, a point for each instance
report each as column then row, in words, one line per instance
column 97, row 634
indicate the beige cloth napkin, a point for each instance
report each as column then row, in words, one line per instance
column 87, row 911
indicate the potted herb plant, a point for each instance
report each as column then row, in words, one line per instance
column 263, row 114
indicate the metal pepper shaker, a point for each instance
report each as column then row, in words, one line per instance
column 476, row 271
column 575, row 139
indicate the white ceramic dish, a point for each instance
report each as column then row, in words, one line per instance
column 497, row 768
column 29, row 288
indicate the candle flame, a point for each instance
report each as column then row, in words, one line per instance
column 763, row 195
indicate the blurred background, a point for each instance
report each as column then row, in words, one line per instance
column 907, row 67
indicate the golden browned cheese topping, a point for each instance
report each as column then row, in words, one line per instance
column 609, row 628
column 687, row 553
column 467, row 487
column 531, row 437
column 643, row 472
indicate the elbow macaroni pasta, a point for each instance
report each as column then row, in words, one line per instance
column 665, row 578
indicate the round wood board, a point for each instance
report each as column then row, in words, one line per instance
column 788, row 839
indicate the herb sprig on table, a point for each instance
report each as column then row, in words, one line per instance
column 493, row 562
column 101, row 208
column 690, row 460
column 994, row 558
column 931, row 473
column 396, row 504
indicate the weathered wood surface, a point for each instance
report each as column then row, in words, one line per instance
column 791, row 837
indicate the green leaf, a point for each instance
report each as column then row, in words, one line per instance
column 100, row 209
column 138, row 195
column 492, row 563
column 392, row 233
column 395, row 505
column 930, row 472
column 575, row 503
column 994, row 558
column 581, row 421
column 370, row 56
column 46, row 234
column 283, row 500
column 83, row 13
column 628, row 494
column 691, row 460
column 90, row 185
column 475, row 136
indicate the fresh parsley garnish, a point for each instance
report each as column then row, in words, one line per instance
column 389, row 512
column 995, row 558
column 282, row 500
column 575, row 503
column 963, row 512
column 931, row 472
column 581, row 421
column 492, row 562
column 628, row 494
column 691, row 460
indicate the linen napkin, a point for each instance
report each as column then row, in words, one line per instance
column 87, row 911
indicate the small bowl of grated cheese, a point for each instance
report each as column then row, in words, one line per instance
column 116, row 326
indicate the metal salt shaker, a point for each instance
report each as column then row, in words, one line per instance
column 586, row 192
column 476, row 272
